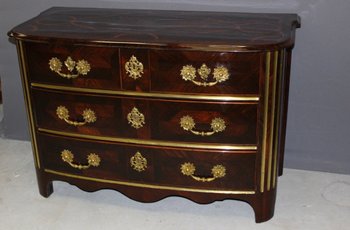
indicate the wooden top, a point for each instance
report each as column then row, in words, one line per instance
column 171, row 29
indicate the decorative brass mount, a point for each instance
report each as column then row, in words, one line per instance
column 188, row 169
column 93, row 160
column 220, row 74
column 188, row 124
column 82, row 67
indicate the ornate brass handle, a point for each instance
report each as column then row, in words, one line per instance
column 138, row 162
column 88, row 116
column 93, row 160
column 82, row 67
column 136, row 118
column 188, row 169
column 188, row 124
column 220, row 74
column 134, row 68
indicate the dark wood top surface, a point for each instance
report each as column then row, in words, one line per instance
column 172, row 29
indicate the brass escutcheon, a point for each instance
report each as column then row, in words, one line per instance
column 134, row 68
column 138, row 162
column 136, row 118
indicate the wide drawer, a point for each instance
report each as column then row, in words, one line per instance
column 206, row 73
column 179, row 121
column 148, row 165
column 73, row 65
column 154, row 71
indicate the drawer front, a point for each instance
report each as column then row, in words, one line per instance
column 146, row 165
column 75, row 113
column 185, row 121
column 205, row 72
column 135, row 69
column 226, row 123
column 73, row 65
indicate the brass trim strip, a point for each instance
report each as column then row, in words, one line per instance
column 266, row 107
column 273, row 98
column 26, row 94
column 140, row 185
column 151, row 142
column 149, row 95
column 281, row 69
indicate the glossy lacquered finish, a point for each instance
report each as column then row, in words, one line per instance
column 161, row 69
column 163, row 166
column 104, row 72
column 161, row 117
column 159, row 28
column 159, row 103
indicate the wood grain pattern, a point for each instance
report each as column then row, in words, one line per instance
column 243, row 68
column 173, row 29
column 163, row 165
column 162, row 117
column 104, row 73
column 256, row 50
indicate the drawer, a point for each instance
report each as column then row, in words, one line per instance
column 135, row 69
column 148, row 165
column 73, row 65
column 180, row 121
column 76, row 113
column 205, row 72
column 202, row 122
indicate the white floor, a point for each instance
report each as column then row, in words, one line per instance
column 306, row 200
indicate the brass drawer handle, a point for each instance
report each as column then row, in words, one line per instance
column 88, row 116
column 138, row 162
column 188, row 169
column 82, row 67
column 188, row 124
column 134, row 68
column 220, row 74
column 136, row 118
column 93, row 160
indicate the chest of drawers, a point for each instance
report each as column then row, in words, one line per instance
column 159, row 103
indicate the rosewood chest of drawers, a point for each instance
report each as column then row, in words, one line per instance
column 159, row 103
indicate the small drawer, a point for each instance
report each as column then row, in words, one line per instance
column 135, row 69
column 205, row 72
column 226, row 170
column 73, row 65
column 185, row 121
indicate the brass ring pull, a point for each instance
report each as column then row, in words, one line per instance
column 134, row 68
column 93, row 160
column 188, row 169
column 188, row 124
column 220, row 74
column 81, row 67
column 88, row 116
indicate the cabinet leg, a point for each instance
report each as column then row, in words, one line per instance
column 263, row 206
column 45, row 185
column 263, row 214
column 46, row 189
